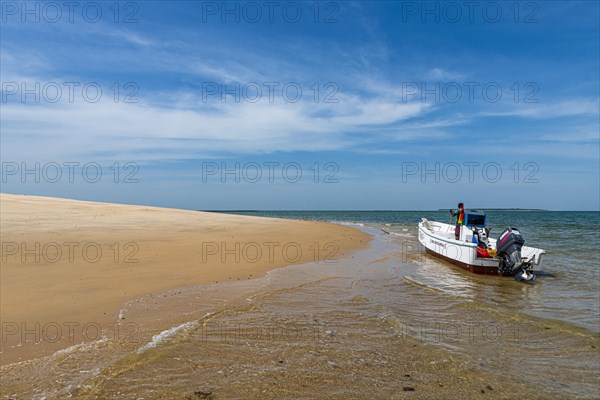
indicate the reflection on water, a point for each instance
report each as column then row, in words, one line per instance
column 373, row 326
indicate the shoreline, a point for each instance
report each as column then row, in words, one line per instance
column 361, row 325
column 69, row 266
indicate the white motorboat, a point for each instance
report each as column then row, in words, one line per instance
column 506, row 256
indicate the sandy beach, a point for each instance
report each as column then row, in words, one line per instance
column 116, row 301
column 68, row 266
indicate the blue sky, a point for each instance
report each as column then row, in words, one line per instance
column 378, row 105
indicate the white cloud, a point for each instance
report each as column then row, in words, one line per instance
column 139, row 131
column 564, row 108
column 440, row 74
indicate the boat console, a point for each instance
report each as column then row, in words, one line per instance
column 475, row 218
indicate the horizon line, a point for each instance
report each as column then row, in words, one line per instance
column 443, row 209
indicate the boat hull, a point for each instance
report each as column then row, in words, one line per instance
column 476, row 269
column 439, row 240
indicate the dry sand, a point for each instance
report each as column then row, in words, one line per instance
column 68, row 266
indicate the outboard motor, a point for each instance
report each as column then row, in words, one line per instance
column 509, row 246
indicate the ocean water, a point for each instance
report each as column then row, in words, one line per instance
column 571, row 240
column 385, row 321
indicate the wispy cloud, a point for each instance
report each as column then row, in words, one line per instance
column 225, row 127
column 565, row 108
column 441, row 74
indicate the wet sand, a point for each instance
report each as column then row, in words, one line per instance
column 69, row 266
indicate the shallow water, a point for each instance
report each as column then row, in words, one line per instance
column 571, row 240
column 375, row 325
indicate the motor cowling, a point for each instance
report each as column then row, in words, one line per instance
column 508, row 247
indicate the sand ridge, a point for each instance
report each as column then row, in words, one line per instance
column 67, row 266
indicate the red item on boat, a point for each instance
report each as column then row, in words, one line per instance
column 483, row 253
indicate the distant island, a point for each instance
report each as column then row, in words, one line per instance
column 500, row 209
column 229, row 211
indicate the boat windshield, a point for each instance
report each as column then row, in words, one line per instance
column 475, row 219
